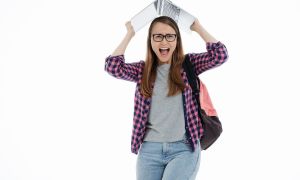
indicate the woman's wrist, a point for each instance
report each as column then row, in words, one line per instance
column 129, row 35
column 206, row 36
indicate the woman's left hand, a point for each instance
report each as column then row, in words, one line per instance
column 196, row 25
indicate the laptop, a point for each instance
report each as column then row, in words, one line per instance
column 162, row 8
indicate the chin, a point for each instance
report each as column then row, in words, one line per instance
column 164, row 61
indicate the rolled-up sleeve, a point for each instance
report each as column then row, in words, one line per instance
column 116, row 66
column 215, row 56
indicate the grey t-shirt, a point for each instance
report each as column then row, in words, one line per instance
column 166, row 118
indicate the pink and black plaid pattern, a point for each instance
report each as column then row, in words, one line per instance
column 115, row 65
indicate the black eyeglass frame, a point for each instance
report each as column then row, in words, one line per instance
column 164, row 37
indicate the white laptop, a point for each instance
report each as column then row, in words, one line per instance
column 162, row 8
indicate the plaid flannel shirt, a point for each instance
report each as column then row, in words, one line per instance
column 115, row 65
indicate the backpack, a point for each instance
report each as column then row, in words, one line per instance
column 211, row 124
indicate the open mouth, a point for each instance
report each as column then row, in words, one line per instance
column 164, row 51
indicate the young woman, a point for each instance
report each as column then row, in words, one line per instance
column 166, row 125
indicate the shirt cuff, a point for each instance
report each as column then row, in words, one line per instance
column 212, row 46
column 113, row 58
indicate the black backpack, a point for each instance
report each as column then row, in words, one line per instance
column 211, row 124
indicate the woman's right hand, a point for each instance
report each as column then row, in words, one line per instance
column 123, row 45
column 130, row 30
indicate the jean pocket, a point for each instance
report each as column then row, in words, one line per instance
column 185, row 141
column 149, row 147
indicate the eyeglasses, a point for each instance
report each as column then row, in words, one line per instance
column 160, row 37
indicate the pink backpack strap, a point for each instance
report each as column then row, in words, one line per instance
column 205, row 101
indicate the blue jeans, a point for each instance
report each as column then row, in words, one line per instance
column 168, row 161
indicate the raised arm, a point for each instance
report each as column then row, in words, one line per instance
column 115, row 63
column 198, row 28
column 120, row 50
column 216, row 51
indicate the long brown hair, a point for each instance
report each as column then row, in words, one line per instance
column 175, row 81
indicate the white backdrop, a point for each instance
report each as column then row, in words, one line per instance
column 62, row 117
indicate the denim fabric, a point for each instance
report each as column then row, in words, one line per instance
column 168, row 161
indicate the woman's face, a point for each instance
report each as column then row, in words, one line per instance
column 163, row 42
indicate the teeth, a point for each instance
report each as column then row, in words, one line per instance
column 164, row 48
